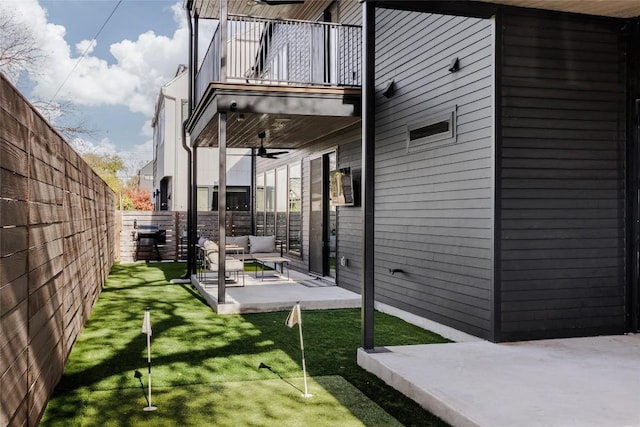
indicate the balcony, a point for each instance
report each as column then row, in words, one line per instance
column 294, row 80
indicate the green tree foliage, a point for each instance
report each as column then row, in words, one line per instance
column 107, row 166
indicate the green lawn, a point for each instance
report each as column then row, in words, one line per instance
column 206, row 367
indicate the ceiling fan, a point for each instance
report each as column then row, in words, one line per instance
column 262, row 151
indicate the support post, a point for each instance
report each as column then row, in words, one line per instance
column 222, row 162
column 368, row 175
column 222, row 205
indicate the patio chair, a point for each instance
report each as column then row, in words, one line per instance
column 210, row 261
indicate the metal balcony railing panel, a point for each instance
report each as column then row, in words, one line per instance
column 285, row 52
column 210, row 69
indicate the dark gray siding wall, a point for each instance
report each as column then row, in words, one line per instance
column 434, row 208
column 350, row 222
column 350, row 12
column 563, row 162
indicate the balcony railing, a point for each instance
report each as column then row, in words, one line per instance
column 280, row 52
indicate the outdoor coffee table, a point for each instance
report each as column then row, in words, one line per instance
column 275, row 260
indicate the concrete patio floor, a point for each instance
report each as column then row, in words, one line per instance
column 275, row 293
column 578, row 382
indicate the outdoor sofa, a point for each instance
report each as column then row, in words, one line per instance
column 239, row 250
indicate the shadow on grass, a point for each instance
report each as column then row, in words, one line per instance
column 194, row 349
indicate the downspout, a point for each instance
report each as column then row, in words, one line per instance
column 368, row 173
column 190, row 238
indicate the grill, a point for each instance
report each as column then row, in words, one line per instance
column 148, row 237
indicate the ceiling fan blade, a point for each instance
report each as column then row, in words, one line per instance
column 277, row 153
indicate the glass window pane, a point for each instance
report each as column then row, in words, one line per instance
column 295, row 209
column 237, row 199
column 281, row 205
column 203, row 198
column 260, row 205
column 270, row 203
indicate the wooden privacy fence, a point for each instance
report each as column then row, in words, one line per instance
column 174, row 225
column 57, row 225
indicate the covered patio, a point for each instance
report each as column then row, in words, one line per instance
column 274, row 292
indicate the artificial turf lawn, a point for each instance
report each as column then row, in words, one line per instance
column 205, row 366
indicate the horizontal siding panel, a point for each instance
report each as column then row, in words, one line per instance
column 516, row 214
column 518, row 289
column 565, row 193
column 608, row 259
column 556, row 60
column 552, row 275
column 557, row 294
column 445, row 241
column 442, row 169
column 560, row 122
column 547, row 91
column 575, row 77
column 608, row 304
column 554, row 204
column 443, row 306
column 610, row 184
column 566, row 318
column 567, row 114
column 457, row 317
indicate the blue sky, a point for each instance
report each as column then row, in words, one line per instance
column 114, row 87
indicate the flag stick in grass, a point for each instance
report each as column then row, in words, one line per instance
column 146, row 329
column 296, row 317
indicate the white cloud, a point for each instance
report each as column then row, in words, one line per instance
column 102, row 147
column 141, row 66
column 147, row 130
column 132, row 79
column 86, row 47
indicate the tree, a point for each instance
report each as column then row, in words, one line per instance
column 20, row 53
column 140, row 198
column 19, row 50
column 107, row 166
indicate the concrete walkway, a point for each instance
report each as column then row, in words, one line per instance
column 275, row 293
column 579, row 382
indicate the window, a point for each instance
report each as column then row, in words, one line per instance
column 203, row 198
column 281, row 204
column 270, row 203
column 237, row 199
column 295, row 209
column 435, row 131
column 260, row 205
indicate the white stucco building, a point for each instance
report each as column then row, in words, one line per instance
column 170, row 159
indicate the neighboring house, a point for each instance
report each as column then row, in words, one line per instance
column 170, row 164
column 144, row 178
column 501, row 199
